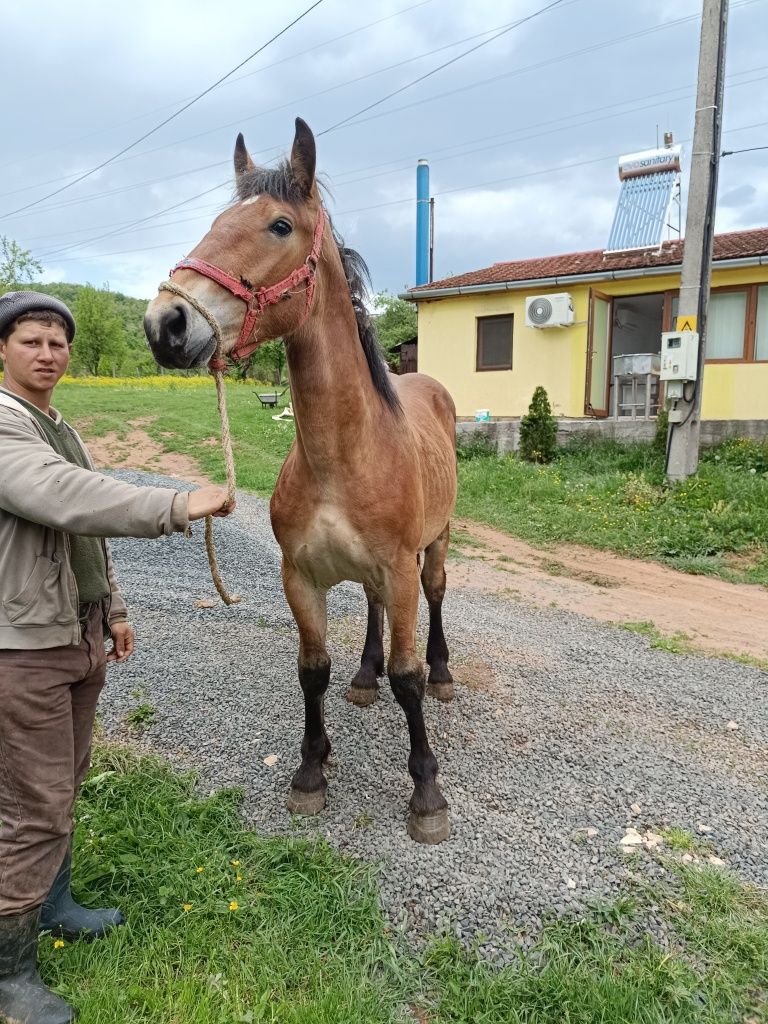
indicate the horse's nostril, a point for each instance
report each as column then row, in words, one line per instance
column 176, row 321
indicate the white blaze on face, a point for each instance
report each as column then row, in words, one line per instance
column 248, row 202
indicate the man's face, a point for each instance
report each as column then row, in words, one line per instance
column 36, row 357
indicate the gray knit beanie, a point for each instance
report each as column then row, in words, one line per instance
column 16, row 304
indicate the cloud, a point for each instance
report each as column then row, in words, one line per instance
column 102, row 79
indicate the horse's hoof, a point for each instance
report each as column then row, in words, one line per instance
column 299, row 802
column 440, row 691
column 429, row 828
column 363, row 697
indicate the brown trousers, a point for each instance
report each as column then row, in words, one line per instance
column 47, row 707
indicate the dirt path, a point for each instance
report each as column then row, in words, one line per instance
column 137, row 450
column 715, row 615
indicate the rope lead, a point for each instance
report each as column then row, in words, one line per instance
column 229, row 462
column 226, row 437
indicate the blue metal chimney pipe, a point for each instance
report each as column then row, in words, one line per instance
column 422, row 222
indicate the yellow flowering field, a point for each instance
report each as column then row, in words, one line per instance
column 161, row 382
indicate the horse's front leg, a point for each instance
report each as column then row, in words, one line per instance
column 428, row 820
column 308, row 605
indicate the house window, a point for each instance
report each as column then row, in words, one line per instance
column 494, row 342
column 726, row 320
column 737, row 323
column 761, row 326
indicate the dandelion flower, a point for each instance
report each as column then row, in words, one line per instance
column 199, row 870
column 59, row 944
column 235, row 863
column 234, row 905
column 238, row 878
column 186, row 907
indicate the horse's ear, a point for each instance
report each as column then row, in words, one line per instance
column 303, row 157
column 243, row 160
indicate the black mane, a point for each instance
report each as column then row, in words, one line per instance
column 280, row 183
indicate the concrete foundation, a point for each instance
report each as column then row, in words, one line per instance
column 505, row 434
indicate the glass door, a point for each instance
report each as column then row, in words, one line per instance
column 599, row 354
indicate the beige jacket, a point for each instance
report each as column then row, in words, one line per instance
column 43, row 499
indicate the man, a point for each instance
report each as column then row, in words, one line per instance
column 58, row 600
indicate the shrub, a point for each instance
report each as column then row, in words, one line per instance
column 538, row 430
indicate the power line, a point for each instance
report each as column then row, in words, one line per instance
column 142, row 220
column 232, row 81
column 324, row 92
column 521, row 70
column 540, row 64
column 409, row 199
column 271, row 110
column 565, row 121
column 733, row 152
column 127, row 227
column 516, row 71
column 453, row 60
column 176, row 113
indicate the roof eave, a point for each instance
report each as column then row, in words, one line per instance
column 548, row 282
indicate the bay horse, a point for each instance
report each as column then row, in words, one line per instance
column 370, row 482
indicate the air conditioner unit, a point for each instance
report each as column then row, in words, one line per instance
column 549, row 310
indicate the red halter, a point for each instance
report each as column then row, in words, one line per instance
column 257, row 301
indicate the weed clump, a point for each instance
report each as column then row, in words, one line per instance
column 477, row 445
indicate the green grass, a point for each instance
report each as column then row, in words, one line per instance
column 605, row 969
column 613, row 497
column 186, row 418
column 673, row 643
column 228, row 927
column 273, row 930
column 600, row 494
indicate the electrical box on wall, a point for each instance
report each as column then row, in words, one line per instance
column 679, row 355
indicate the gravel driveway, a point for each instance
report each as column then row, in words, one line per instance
column 559, row 726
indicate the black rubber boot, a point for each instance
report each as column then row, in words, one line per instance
column 24, row 999
column 62, row 916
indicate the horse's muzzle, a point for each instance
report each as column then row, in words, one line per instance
column 176, row 343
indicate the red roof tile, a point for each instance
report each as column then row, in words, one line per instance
column 733, row 245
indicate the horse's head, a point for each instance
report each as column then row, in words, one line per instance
column 251, row 277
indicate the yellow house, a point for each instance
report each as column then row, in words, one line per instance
column 597, row 353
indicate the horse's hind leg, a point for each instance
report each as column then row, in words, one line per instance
column 440, row 681
column 308, row 605
column 428, row 820
column 364, row 688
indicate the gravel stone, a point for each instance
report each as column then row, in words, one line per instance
column 559, row 724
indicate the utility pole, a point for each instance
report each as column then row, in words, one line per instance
column 685, row 414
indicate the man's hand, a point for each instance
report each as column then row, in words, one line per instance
column 122, row 641
column 209, row 501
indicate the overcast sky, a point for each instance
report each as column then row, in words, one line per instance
column 523, row 135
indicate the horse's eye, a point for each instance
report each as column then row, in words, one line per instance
column 281, row 227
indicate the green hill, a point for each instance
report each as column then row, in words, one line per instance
column 138, row 359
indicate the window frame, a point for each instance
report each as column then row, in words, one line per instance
column 502, row 367
column 749, row 347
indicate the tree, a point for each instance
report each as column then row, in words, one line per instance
column 267, row 362
column 395, row 320
column 538, row 430
column 99, row 342
column 17, row 265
